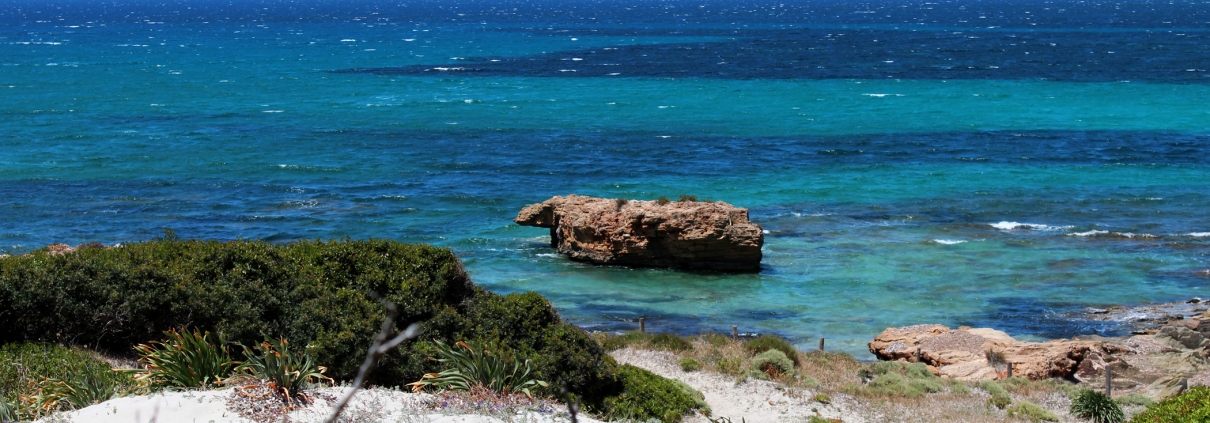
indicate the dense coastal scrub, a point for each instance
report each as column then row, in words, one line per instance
column 314, row 293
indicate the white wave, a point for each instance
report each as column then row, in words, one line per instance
column 1089, row 233
column 348, row 40
column 548, row 255
column 883, row 95
column 448, row 69
column 948, row 241
column 1198, row 234
column 272, row 111
column 1008, row 226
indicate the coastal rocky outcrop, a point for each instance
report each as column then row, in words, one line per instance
column 1158, row 364
column 681, row 234
column 963, row 353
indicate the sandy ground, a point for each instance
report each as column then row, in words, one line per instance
column 754, row 401
column 375, row 405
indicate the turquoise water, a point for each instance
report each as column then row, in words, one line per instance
column 937, row 175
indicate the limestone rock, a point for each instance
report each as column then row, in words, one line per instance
column 1182, row 337
column 695, row 235
column 962, row 354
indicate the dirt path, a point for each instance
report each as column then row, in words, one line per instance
column 754, row 401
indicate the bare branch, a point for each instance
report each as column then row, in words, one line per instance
column 377, row 349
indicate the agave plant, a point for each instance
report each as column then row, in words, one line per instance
column 8, row 410
column 472, row 368
column 185, row 360
column 1097, row 406
column 289, row 372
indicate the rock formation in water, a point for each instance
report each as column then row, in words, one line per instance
column 682, row 234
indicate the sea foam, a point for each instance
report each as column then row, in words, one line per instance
column 1008, row 226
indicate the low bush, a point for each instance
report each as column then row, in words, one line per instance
column 1000, row 397
column 911, row 370
column 316, row 293
column 773, row 363
column 685, row 198
column 662, row 200
column 822, row 398
column 690, row 365
column 669, row 342
column 1134, row 399
column 1029, row 411
column 895, row 379
column 1097, row 407
column 37, row 378
column 647, row 396
column 1191, row 406
column 764, row 343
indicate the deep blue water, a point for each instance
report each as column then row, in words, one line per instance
column 1002, row 164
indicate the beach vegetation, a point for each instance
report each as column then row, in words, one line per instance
column 1097, row 407
column 662, row 200
column 685, row 198
column 689, row 364
column 764, row 343
column 999, row 396
column 648, row 396
column 895, row 379
column 1029, row 411
column 185, row 359
column 773, row 363
column 468, row 368
column 37, row 379
column 288, row 369
column 321, row 294
column 1191, row 406
column 1134, row 399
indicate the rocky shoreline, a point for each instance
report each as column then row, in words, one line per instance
column 1168, row 351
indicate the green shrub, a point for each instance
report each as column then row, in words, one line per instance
column 669, row 342
column 647, row 396
column 1097, row 406
column 314, row 293
column 716, row 340
column 185, row 360
column 999, row 401
column 687, row 198
column 1191, row 406
column 690, row 365
column 911, row 370
column 1032, row 412
column 1134, row 399
column 1000, row 397
column 662, row 200
column 764, row 343
column 472, row 368
column 62, row 376
column 699, row 399
column 896, row 385
column 773, row 363
column 822, row 399
column 8, row 410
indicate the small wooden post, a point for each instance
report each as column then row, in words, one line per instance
column 917, row 354
column 1184, row 384
column 821, row 344
column 1010, row 369
column 735, row 331
column 1108, row 381
column 642, row 325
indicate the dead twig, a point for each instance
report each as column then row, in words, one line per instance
column 378, row 348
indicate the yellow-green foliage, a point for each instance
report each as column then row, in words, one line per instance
column 894, row 379
column 1191, row 406
column 769, row 342
column 1030, row 411
column 659, row 341
column 647, row 396
column 1000, row 397
column 773, row 362
column 1134, row 398
column 1097, row 406
column 63, row 377
column 313, row 293
column 690, row 365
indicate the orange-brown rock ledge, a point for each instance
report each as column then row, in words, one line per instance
column 684, row 234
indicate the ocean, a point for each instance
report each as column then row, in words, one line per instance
column 1005, row 164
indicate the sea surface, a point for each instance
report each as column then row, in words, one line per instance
column 1006, row 164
